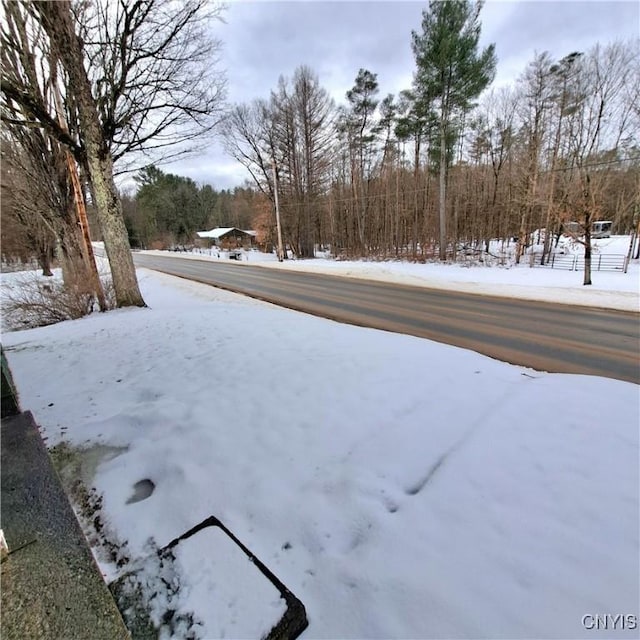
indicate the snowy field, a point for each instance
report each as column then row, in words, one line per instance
column 610, row 289
column 399, row 487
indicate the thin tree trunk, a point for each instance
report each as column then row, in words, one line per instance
column 587, row 233
column 443, row 193
column 44, row 260
column 587, row 255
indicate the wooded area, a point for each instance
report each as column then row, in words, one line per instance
column 445, row 166
column 380, row 177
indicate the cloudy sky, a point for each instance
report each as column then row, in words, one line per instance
column 266, row 39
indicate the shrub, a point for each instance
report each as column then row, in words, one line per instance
column 34, row 301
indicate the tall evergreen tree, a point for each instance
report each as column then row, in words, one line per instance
column 360, row 126
column 452, row 70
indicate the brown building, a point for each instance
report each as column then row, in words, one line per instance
column 227, row 238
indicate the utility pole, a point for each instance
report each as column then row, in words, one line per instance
column 275, row 193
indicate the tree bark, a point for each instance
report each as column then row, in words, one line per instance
column 443, row 193
column 587, row 253
column 587, row 230
column 44, row 260
column 75, row 271
column 58, row 23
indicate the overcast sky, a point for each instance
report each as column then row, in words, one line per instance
column 265, row 39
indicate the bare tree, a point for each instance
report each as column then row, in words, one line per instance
column 153, row 67
column 295, row 129
column 303, row 115
column 596, row 128
column 135, row 77
column 535, row 85
column 24, row 235
column 36, row 192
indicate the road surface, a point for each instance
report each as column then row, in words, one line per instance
column 543, row 336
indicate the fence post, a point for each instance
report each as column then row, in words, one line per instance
column 625, row 264
column 599, row 261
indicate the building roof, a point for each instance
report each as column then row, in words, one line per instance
column 218, row 232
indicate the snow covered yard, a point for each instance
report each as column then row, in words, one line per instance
column 399, row 487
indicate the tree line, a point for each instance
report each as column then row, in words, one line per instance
column 433, row 170
column 167, row 209
column 92, row 89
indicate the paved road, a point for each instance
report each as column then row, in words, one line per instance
column 548, row 337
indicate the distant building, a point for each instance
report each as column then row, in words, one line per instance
column 226, row 238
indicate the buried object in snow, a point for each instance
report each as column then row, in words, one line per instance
column 294, row 620
column 289, row 616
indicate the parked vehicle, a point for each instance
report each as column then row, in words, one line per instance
column 601, row 229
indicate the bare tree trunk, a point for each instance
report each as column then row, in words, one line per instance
column 521, row 246
column 443, row 194
column 75, row 271
column 84, row 227
column 114, row 230
column 57, row 21
column 587, row 253
column 44, row 260
column 587, row 231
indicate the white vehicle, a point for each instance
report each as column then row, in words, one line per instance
column 601, row 229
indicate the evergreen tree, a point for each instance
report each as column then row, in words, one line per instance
column 450, row 69
column 359, row 125
column 170, row 205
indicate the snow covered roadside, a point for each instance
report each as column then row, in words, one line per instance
column 610, row 290
column 399, row 487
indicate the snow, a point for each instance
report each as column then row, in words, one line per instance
column 221, row 231
column 610, row 289
column 249, row 602
column 399, row 487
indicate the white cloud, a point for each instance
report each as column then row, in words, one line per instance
column 264, row 40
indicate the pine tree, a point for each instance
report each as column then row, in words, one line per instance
column 361, row 130
column 452, row 70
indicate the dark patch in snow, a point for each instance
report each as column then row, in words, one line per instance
column 141, row 491
column 418, row 487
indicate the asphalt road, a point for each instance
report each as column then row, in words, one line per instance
column 543, row 336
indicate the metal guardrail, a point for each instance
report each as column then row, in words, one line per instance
column 599, row 262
